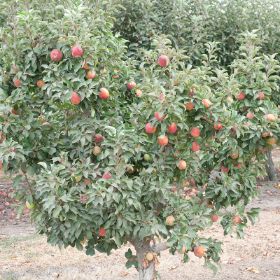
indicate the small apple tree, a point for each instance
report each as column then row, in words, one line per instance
column 110, row 153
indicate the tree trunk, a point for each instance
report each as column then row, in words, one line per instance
column 146, row 269
column 270, row 168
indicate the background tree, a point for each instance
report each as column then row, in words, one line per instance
column 190, row 25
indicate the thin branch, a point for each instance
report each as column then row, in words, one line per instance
column 28, row 183
column 157, row 248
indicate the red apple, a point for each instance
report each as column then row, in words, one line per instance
column 85, row 66
column 4, row 194
column 206, row 103
column 104, row 93
column 162, row 140
column 150, row 256
column 234, row 155
column 189, row 106
column 102, row 232
column 163, row 60
column 150, row 129
column 161, row 97
column 138, row 93
column 240, row 96
column 77, row 51
column 199, row 251
column 218, row 126
column 90, row 75
column 238, row 165
column 261, row 95
column 236, row 220
column 131, row 85
column 107, row 176
column 170, row 220
column 195, row 132
column 266, row 134
column 195, row 147
column 172, row 128
column 271, row 141
column 87, row 181
column 56, row 55
column 159, row 116
column 83, row 198
column 224, row 169
column 182, row 165
column 17, row 83
column 40, row 83
column 270, row 117
column 96, row 150
column 250, row 115
column 214, row 218
column 229, row 100
column 98, row 138
column 75, row 98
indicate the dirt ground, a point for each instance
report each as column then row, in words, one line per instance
column 24, row 255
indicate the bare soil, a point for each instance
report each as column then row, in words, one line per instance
column 25, row 255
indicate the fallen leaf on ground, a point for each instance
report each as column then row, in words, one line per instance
column 253, row 269
column 173, row 267
column 124, row 273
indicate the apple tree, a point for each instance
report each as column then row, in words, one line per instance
column 106, row 153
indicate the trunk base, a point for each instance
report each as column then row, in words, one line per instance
column 270, row 167
column 146, row 268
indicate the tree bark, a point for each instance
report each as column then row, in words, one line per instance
column 270, row 168
column 146, row 269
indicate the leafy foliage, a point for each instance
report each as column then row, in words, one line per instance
column 192, row 24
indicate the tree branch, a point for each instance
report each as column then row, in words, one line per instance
column 28, row 183
column 157, row 248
